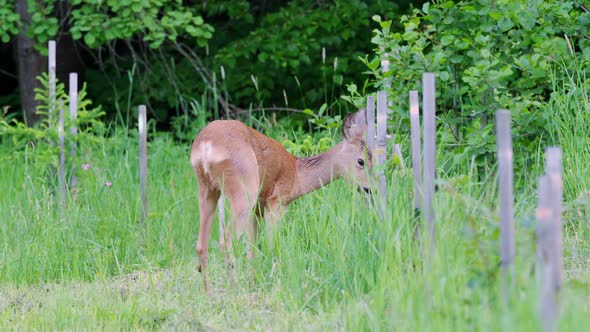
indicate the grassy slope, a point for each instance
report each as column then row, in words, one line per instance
column 334, row 265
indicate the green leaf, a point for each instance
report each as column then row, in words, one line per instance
column 52, row 31
column 322, row 109
column 136, row 7
column 108, row 34
column 76, row 34
column 447, row 40
column 505, row 24
column 374, row 64
column 38, row 29
column 496, row 15
column 385, row 24
column 527, row 21
column 89, row 39
column 486, row 27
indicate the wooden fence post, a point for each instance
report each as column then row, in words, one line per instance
column 549, row 255
column 429, row 104
column 370, row 118
column 51, row 51
column 543, row 216
column 505, row 178
column 387, row 80
column 385, row 69
column 73, row 128
column 554, row 171
column 143, row 161
column 547, row 303
column 51, row 67
column 381, row 148
column 61, row 178
column 370, row 115
column 416, row 160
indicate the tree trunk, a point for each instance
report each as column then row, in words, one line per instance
column 30, row 65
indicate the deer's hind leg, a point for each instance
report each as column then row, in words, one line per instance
column 241, row 189
column 207, row 204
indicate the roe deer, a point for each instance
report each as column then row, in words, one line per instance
column 259, row 177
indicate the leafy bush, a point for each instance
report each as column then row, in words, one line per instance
column 10, row 21
column 486, row 55
column 325, row 128
column 178, row 50
column 88, row 122
column 283, row 52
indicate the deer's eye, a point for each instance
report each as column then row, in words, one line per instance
column 361, row 162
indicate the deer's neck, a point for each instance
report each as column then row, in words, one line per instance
column 316, row 171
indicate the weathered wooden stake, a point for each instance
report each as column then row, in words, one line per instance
column 385, row 69
column 550, row 238
column 549, row 242
column 62, row 157
column 143, row 161
column 429, row 104
column 73, row 127
column 387, row 80
column 51, row 48
column 554, row 171
column 370, row 112
column 370, row 117
column 381, row 148
column 547, row 303
column 543, row 215
column 51, row 66
column 505, row 179
column 416, row 159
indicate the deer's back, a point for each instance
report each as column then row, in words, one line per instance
column 229, row 147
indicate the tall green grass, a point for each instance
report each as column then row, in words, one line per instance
column 100, row 233
column 569, row 116
column 334, row 264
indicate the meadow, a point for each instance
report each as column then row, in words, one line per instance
column 334, row 264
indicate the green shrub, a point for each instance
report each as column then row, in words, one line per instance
column 486, row 55
column 19, row 136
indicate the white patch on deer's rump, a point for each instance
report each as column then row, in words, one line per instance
column 206, row 154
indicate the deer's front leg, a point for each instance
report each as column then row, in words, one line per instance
column 273, row 213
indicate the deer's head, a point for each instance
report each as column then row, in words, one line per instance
column 355, row 157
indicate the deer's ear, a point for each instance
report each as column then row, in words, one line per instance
column 355, row 126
